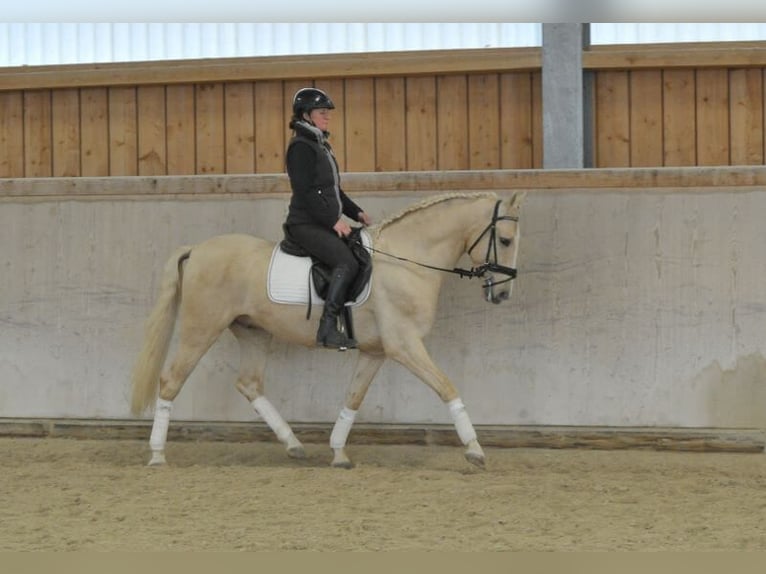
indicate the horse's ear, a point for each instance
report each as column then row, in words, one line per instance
column 517, row 198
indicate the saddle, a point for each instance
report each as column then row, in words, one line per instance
column 297, row 278
column 321, row 273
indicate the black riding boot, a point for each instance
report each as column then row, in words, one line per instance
column 328, row 334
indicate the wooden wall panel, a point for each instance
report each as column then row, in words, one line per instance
column 713, row 117
column 65, row 114
column 11, row 130
column 452, row 122
column 269, row 127
column 420, row 135
column 152, row 135
column 390, row 133
column 516, row 121
column 746, row 116
column 537, row 120
column 123, row 131
column 360, row 122
column 484, row 121
column 648, row 111
column 679, row 134
column 37, row 134
column 181, row 129
column 612, row 119
column 94, row 123
column 211, row 156
column 239, row 128
column 645, row 118
column 336, row 90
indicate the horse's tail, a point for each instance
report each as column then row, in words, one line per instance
column 159, row 331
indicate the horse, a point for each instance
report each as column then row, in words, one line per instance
column 221, row 283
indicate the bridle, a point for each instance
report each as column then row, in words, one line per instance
column 490, row 259
column 492, row 265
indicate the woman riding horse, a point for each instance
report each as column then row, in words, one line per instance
column 315, row 217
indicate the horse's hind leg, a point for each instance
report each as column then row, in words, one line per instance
column 254, row 346
column 366, row 368
column 193, row 343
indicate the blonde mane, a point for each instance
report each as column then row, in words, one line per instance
column 428, row 202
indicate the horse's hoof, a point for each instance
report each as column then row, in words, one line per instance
column 158, row 459
column 474, row 454
column 296, row 452
column 475, row 459
column 341, row 460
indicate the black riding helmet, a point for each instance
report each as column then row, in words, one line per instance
column 307, row 99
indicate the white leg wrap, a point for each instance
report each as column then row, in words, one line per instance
column 269, row 414
column 463, row 424
column 161, row 422
column 342, row 428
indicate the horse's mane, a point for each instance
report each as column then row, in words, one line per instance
column 428, row 202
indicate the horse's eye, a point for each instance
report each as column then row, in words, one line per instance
column 505, row 241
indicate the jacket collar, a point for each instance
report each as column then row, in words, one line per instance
column 310, row 131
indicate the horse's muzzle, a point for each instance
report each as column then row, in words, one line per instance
column 489, row 292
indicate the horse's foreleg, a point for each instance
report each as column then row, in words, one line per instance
column 254, row 346
column 412, row 354
column 366, row 368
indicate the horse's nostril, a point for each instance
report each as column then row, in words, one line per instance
column 502, row 296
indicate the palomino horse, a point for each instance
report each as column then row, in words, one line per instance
column 221, row 283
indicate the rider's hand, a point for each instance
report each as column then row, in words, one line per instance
column 342, row 228
column 364, row 218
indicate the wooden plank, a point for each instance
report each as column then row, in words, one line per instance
column 645, row 118
column 674, row 55
column 390, row 133
column 713, row 117
column 746, row 116
column 452, row 122
column 327, row 66
column 319, row 67
column 181, row 128
column 269, row 127
column 210, row 141
column 612, row 145
column 721, row 179
column 94, row 131
column 679, row 134
column 484, row 121
column 239, row 128
column 65, row 116
column 497, row 436
column 516, row 121
column 360, row 125
column 421, row 123
column 11, row 127
column 537, row 120
column 123, row 132
column 151, row 131
column 37, row 134
column 336, row 89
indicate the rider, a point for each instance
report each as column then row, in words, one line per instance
column 315, row 217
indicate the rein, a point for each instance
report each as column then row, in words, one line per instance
column 479, row 270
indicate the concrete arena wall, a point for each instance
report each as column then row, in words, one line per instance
column 633, row 307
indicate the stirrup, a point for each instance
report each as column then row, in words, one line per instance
column 336, row 340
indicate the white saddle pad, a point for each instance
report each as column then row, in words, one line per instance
column 288, row 280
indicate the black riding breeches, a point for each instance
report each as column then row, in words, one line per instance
column 325, row 245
